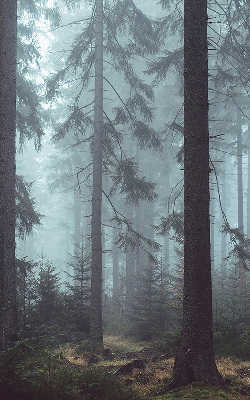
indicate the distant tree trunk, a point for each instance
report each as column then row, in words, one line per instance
column 138, row 254
column 130, row 268
column 66, row 254
column 195, row 357
column 166, row 245
column 115, row 270
column 96, row 334
column 239, row 171
column 77, row 229
column 248, row 186
column 104, row 277
column 8, row 51
column 212, row 222
column 30, row 240
column 223, row 245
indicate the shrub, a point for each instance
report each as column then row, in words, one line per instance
column 100, row 385
column 167, row 342
column 41, row 375
column 85, row 346
column 243, row 344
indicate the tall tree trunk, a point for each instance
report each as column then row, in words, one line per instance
column 195, row 357
column 115, row 270
column 239, row 171
column 104, row 272
column 96, row 235
column 8, row 17
column 248, row 186
column 2, row 157
column 166, row 245
column 77, row 231
column 138, row 253
column 130, row 269
column 223, row 245
column 66, row 254
column 212, row 222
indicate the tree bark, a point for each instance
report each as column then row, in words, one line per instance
column 130, row 269
column 2, row 164
column 8, row 17
column 77, row 230
column 248, row 186
column 239, row 171
column 223, row 244
column 212, row 225
column 115, row 270
column 195, row 357
column 166, row 246
column 96, row 334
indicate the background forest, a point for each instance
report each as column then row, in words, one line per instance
column 142, row 174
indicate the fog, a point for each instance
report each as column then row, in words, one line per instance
column 142, row 199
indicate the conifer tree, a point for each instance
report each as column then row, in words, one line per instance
column 96, row 221
column 8, row 16
column 86, row 57
column 11, row 85
column 195, row 357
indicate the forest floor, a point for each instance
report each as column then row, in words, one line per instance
column 149, row 375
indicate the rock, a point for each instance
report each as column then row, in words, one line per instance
column 128, row 368
column 125, row 369
column 93, row 359
column 139, row 363
column 107, row 354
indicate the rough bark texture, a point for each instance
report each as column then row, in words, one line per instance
column 195, row 357
column 212, row 223
column 239, row 171
column 130, row 269
column 96, row 236
column 248, row 187
column 115, row 270
column 8, row 17
column 2, row 125
column 166, row 245
column 77, row 219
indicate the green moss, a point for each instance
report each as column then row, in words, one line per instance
column 197, row 391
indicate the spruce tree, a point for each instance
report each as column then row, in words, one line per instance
column 195, row 356
column 86, row 58
column 8, row 16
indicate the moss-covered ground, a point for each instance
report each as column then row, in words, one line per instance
column 159, row 369
column 76, row 373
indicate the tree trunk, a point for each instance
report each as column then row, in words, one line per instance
column 138, row 253
column 115, row 270
column 166, row 245
column 248, row 186
column 223, row 245
column 239, row 171
column 8, row 16
column 130, row 269
column 212, row 223
column 2, row 164
column 77, row 231
column 96, row 236
column 195, row 357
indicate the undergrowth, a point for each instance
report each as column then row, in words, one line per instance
column 197, row 391
column 29, row 372
column 41, row 375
